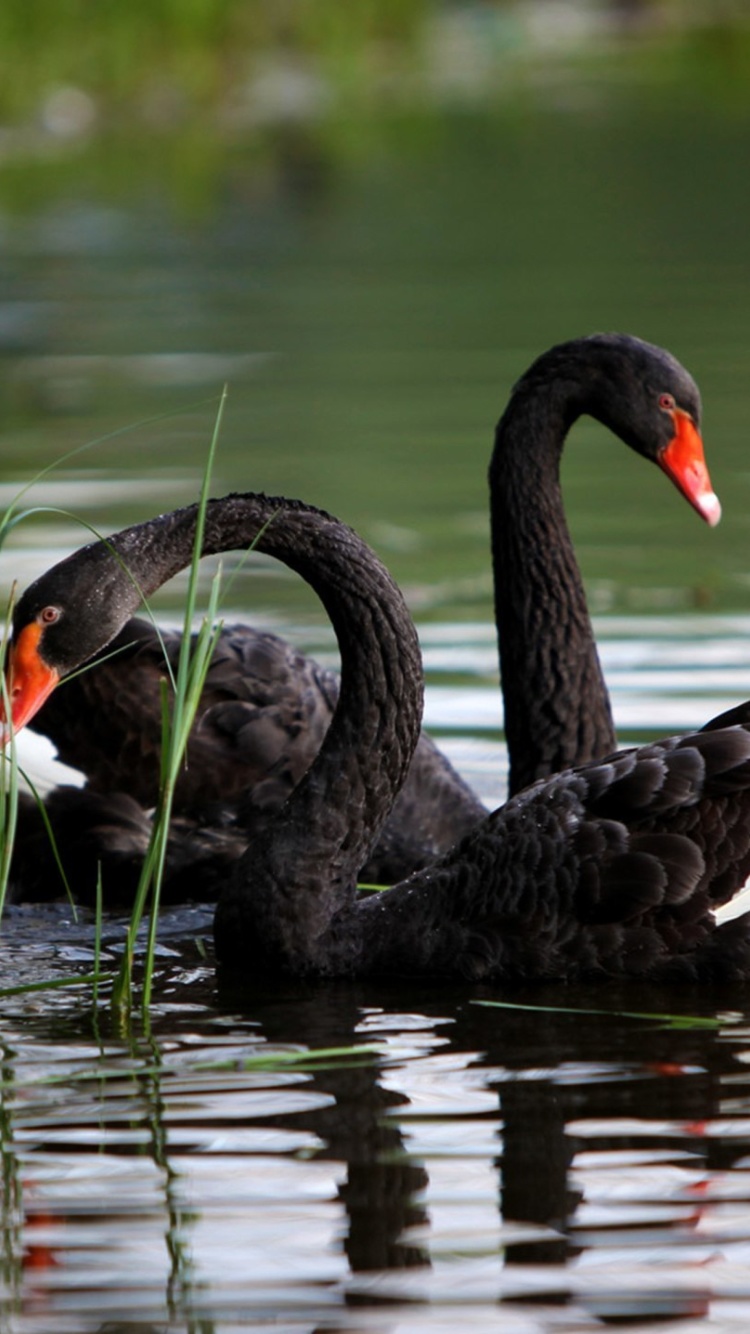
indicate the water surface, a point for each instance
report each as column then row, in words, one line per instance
column 539, row 1169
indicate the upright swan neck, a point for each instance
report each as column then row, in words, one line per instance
column 556, row 705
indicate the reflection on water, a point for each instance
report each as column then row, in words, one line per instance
column 571, row 1166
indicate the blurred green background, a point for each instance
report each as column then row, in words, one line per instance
column 368, row 218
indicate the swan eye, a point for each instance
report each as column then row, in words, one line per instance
column 48, row 615
column 667, row 402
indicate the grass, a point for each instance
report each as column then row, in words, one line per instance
column 187, row 684
column 178, row 714
column 8, row 783
column 676, row 1021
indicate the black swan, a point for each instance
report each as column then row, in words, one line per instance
column 266, row 707
column 611, row 869
column 557, row 710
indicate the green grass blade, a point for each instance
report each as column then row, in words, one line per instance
column 193, row 663
column 668, row 1020
column 53, row 984
column 8, row 776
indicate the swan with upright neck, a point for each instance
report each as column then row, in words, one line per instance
column 266, row 708
column 557, row 710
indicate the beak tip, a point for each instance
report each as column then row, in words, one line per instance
column 710, row 508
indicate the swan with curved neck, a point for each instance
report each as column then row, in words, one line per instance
column 70, row 612
column 266, row 708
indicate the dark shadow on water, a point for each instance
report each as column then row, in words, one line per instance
column 380, row 1192
column 557, row 1069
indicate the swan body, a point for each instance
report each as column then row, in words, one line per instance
column 610, row 870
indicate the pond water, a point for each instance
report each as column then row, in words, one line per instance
column 557, row 1162
column 546, row 1168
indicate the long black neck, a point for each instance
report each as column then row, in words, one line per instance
column 303, row 869
column 557, row 709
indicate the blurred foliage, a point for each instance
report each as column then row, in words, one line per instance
column 151, row 51
column 187, row 96
column 231, row 65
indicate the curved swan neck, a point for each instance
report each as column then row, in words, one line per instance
column 302, row 869
column 556, row 705
column 339, row 806
column 296, row 875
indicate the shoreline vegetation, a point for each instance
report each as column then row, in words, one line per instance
column 344, row 74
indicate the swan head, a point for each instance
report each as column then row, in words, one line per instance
column 62, row 620
column 29, row 678
column 646, row 397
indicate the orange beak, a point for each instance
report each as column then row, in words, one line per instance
column 684, row 462
column 28, row 679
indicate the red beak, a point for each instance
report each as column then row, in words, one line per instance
column 683, row 460
column 29, row 680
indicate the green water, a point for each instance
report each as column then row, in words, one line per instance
column 370, row 319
